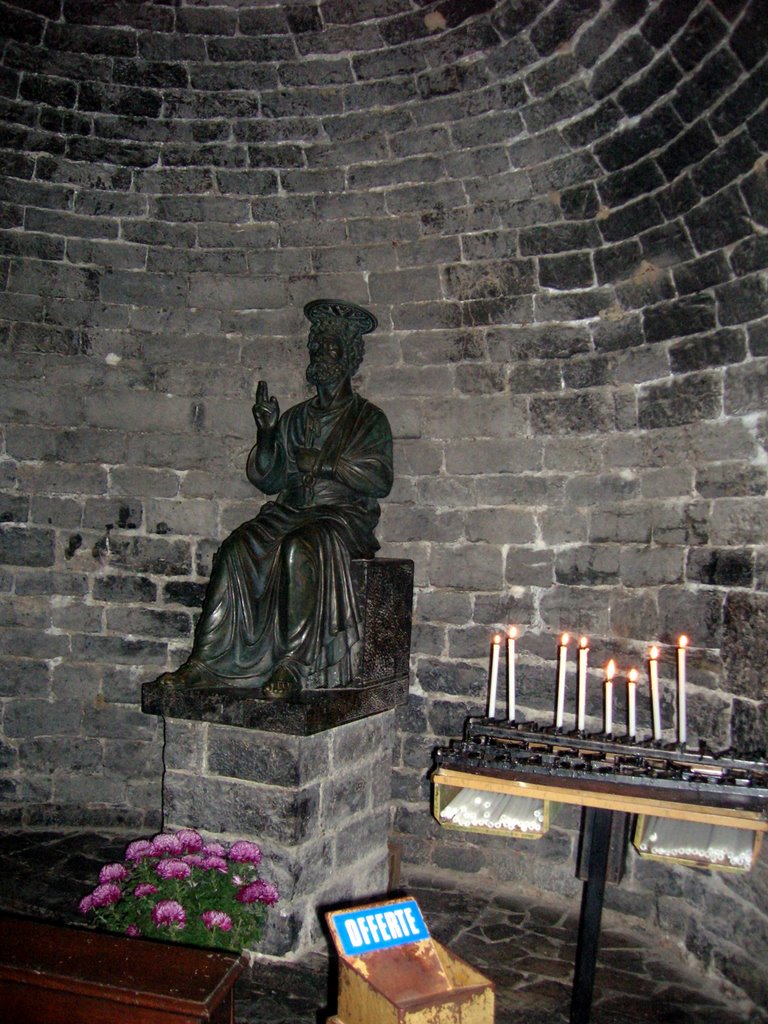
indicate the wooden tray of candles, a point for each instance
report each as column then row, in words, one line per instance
column 548, row 762
column 533, row 757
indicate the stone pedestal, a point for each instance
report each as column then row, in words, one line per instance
column 307, row 779
column 318, row 805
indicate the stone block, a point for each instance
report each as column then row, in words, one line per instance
column 739, row 521
column 588, row 565
column 743, row 300
column 270, row 758
column 31, row 547
column 584, row 412
column 24, row 677
column 719, row 221
column 682, row 400
column 564, row 272
column 627, row 146
column 731, row 480
column 749, row 727
column 744, row 643
column 659, row 80
column 234, row 807
column 150, row 555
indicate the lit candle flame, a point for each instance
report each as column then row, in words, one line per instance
column 654, row 652
column 583, row 642
column 610, row 669
column 683, row 641
column 564, row 639
column 512, row 632
column 632, row 676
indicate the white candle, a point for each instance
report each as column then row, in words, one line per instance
column 495, row 645
column 610, row 671
column 682, row 643
column 562, row 657
column 653, row 671
column 582, row 684
column 632, row 703
column 511, row 636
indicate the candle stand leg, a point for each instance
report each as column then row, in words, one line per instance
column 599, row 823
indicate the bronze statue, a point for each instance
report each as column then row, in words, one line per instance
column 279, row 611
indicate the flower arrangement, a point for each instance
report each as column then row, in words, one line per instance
column 181, row 888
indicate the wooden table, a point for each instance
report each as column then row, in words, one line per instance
column 603, row 799
column 56, row 975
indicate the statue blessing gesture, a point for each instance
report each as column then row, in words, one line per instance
column 279, row 611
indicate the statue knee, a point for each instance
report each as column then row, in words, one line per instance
column 300, row 555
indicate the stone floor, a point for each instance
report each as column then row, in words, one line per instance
column 526, row 947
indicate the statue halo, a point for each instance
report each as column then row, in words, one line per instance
column 322, row 309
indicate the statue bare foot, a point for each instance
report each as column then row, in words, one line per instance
column 192, row 674
column 284, row 682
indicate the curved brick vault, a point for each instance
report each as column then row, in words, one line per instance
column 558, row 212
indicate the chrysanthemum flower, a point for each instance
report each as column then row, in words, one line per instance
column 168, row 914
column 214, row 864
column 173, row 868
column 105, row 895
column 113, row 873
column 144, row 889
column 190, row 840
column 164, row 842
column 85, row 906
column 245, row 852
column 258, row 892
column 216, row 919
column 138, row 849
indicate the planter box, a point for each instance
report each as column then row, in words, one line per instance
column 79, row 976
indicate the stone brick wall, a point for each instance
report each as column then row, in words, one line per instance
column 557, row 210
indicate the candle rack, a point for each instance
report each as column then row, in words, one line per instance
column 596, row 763
column 711, row 806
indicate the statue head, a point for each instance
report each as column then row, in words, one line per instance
column 336, row 346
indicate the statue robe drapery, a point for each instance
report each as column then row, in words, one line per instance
column 238, row 637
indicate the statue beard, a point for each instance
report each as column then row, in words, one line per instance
column 323, row 371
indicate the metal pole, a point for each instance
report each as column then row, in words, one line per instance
column 598, row 827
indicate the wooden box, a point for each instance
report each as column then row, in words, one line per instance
column 520, row 809
column 367, row 995
column 696, row 844
column 63, row 975
column 418, row 982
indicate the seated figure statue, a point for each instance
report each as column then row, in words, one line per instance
column 279, row 610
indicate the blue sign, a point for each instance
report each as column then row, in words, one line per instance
column 379, row 927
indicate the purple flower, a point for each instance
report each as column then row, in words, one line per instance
column 214, row 850
column 113, row 873
column 164, row 842
column 138, row 849
column 106, row 895
column 190, row 840
column 169, row 913
column 173, row 868
column 216, row 919
column 214, row 864
column 86, row 904
column 258, row 892
column 245, row 852
column 133, row 931
column 144, row 889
